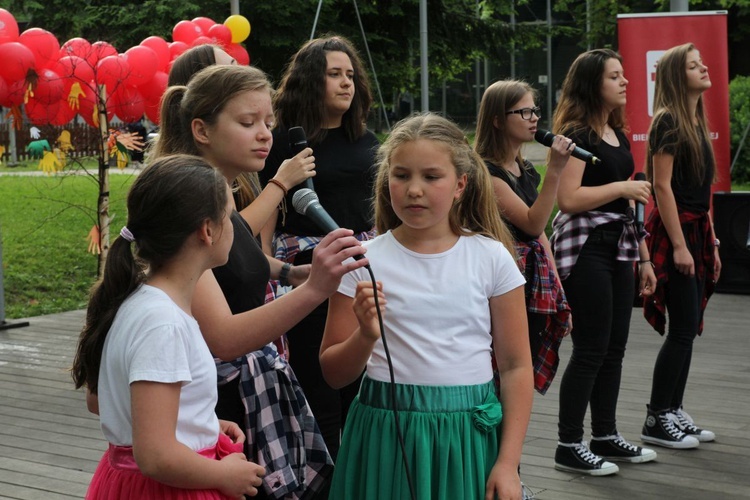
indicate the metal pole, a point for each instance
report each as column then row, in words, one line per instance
column 513, row 43
column 315, row 21
column 588, row 24
column 384, row 111
column 549, row 63
column 423, row 55
column 679, row 5
column 234, row 7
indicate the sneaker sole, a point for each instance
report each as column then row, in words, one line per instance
column 640, row 459
column 589, row 472
column 676, row 445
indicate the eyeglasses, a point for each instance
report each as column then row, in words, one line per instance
column 526, row 112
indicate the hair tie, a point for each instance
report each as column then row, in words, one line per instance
column 125, row 233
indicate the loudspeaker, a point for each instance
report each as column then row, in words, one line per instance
column 732, row 227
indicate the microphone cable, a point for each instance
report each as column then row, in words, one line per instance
column 402, row 446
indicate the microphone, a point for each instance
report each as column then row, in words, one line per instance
column 545, row 138
column 298, row 142
column 640, row 208
column 305, row 202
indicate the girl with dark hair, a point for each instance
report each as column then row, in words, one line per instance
column 444, row 261
column 142, row 352
column 684, row 247
column 325, row 90
column 224, row 114
column 595, row 242
column 507, row 119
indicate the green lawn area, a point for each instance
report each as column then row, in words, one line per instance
column 44, row 222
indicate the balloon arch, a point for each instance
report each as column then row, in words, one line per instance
column 55, row 82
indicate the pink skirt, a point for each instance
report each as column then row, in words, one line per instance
column 117, row 477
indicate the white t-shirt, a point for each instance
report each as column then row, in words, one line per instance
column 437, row 319
column 152, row 339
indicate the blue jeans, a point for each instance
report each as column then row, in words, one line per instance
column 600, row 293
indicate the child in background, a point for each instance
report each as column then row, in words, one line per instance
column 453, row 288
column 143, row 354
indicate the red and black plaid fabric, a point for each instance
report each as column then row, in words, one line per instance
column 547, row 297
column 699, row 238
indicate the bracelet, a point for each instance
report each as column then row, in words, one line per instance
column 278, row 183
column 284, row 273
column 646, row 262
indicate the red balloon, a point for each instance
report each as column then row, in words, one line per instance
column 239, row 53
column 100, row 50
column 177, row 48
column 204, row 23
column 40, row 113
column 64, row 114
column 186, row 31
column 17, row 61
column 8, row 27
column 76, row 47
column 49, row 87
column 73, row 69
column 143, row 64
column 112, row 72
column 152, row 112
column 128, row 104
column 161, row 47
column 153, row 89
column 43, row 45
column 220, row 34
column 201, row 40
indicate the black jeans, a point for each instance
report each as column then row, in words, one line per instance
column 683, row 300
column 600, row 293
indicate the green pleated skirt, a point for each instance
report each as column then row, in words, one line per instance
column 451, row 435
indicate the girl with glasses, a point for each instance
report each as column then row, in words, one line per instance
column 507, row 119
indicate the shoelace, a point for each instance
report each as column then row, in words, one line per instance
column 683, row 414
column 684, row 424
column 668, row 423
column 620, row 441
column 582, row 450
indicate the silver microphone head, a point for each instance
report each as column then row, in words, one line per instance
column 302, row 199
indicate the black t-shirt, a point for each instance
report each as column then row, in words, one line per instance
column 244, row 277
column 617, row 165
column 345, row 175
column 688, row 195
column 524, row 186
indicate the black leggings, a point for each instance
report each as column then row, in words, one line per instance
column 683, row 301
column 600, row 293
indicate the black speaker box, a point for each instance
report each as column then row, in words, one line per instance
column 732, row 227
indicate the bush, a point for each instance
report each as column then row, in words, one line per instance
column 739, row 118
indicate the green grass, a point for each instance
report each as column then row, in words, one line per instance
column 44, row 222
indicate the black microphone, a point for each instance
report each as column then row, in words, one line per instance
column 298, row 142
column 305, row 202
column 545, row 138
column 640, row 208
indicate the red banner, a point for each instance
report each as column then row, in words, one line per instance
column 643, row 38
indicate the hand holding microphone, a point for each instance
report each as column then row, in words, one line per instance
column 640, row 208
column 547, row 138
column 301, row 167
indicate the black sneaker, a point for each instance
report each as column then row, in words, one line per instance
column 660, row 428
column 615, row 448
column 686, row 425
column 576, row 457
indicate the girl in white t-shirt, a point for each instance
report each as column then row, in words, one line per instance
column 452, row 289
column 142, row 353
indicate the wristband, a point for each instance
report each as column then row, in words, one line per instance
column 284, row 274
column 646, row 262
column 279, row 184
column 717, row 243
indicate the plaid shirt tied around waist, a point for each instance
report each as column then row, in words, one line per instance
column 547, row 297
column 697, row 229
column 282, row 434
column 570, row 232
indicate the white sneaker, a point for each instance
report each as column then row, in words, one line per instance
column 687, row 425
